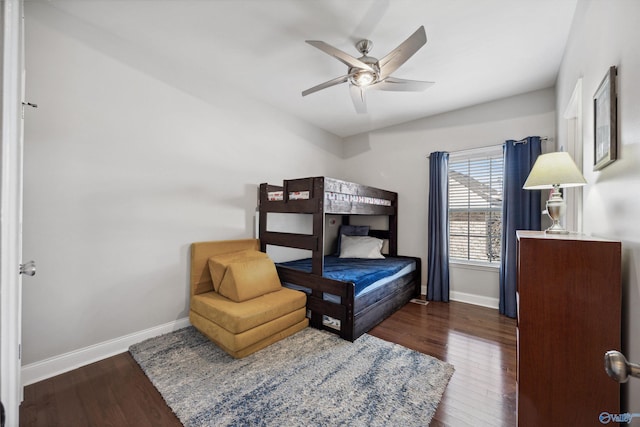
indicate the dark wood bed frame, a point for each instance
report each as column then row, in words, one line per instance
column 356, row 315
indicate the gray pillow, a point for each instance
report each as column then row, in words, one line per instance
column 351, row 230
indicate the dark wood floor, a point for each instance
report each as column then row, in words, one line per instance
column 479, row 343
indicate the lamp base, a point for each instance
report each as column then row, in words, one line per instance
column 556, row 229
column 555, row 209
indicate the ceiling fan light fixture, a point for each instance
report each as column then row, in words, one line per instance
column 363, row 78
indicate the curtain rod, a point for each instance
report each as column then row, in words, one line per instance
column 524, row 140
column 520, row 141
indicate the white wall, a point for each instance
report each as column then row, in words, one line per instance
column 126, row 165
column 606, row 33
column 396, row 159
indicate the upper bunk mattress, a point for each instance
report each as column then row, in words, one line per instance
column 362, row 272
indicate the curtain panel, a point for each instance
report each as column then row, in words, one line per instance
column 438, row 242
column 521, row 210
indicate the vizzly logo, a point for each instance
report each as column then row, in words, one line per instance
column 606, row 418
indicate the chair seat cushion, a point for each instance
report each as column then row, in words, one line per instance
column 238, row 317
column 239, row 345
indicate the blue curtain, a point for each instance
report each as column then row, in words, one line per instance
column 521, row 210
column 438, row 261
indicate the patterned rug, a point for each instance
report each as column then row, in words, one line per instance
column 310, row 378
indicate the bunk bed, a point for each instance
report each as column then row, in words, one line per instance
column 345, row 307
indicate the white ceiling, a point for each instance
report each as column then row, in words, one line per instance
column 477, row 50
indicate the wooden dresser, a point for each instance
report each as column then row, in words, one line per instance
column 569, row 315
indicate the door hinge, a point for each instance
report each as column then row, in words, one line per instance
column 28, row 268
column 19, row 351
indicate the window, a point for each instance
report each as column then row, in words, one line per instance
column 475, row 205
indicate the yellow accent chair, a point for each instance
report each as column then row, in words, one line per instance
column 237, row 299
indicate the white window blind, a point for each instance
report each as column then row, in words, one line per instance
column 475, row 204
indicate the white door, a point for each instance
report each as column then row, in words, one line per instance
column 11, row 210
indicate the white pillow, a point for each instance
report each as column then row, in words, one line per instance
column 360, row 247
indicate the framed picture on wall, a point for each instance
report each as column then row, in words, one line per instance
column 605, row 131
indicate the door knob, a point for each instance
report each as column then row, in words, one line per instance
column 618, row 368
column 28, row 268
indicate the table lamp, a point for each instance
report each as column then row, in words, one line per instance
column 554, row 170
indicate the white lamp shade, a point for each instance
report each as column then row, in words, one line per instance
column 554, row 169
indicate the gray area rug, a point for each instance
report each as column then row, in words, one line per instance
column 311, row 378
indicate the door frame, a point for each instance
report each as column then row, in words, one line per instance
column 573, row 121
column 11, row 211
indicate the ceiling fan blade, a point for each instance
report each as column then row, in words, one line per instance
column 402, row 85
column 341, row 56
column 357, row 96
column 399, row 55
column 325, row 85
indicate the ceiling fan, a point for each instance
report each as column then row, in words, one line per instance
column 367, row 72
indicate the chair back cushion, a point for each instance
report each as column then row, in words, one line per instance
column 200, row 278
column 248, row 279
column 218, row 263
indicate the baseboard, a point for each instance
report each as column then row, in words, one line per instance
column 474, row 299
column 56, row 365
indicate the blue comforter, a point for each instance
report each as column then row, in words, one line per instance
column 362, row 272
